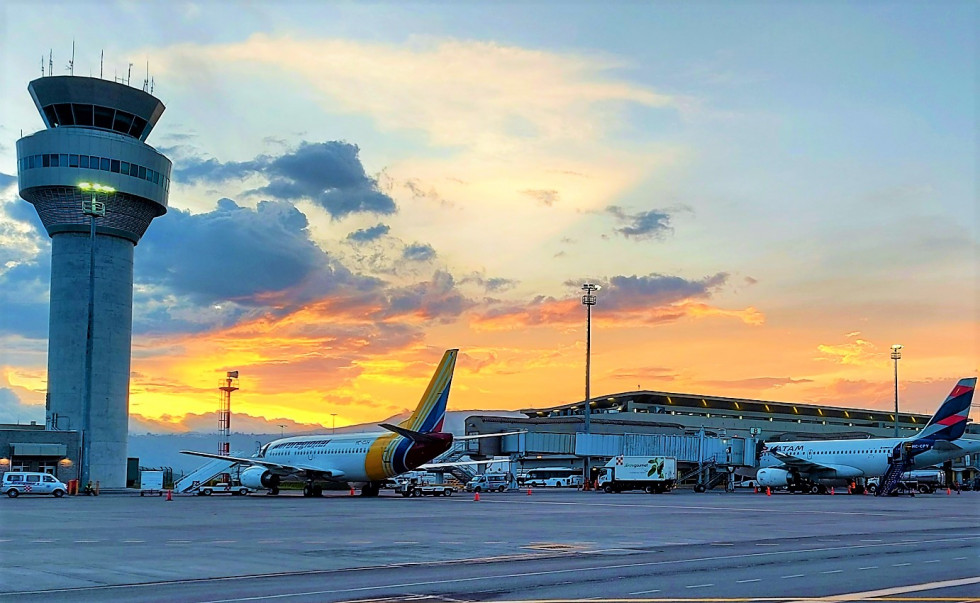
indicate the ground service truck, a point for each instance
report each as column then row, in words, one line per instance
column 651, row 474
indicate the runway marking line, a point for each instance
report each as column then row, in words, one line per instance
column 487, row 577
column 691, row 508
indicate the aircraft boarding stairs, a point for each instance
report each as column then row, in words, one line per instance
column 204, row 473
column 461, row 472
column 898, row 463
column 703, row 468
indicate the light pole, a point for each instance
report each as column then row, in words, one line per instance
column 588, row 300
column 896, row 356
column 333, row 417
column 282, row 430
column 93, row 209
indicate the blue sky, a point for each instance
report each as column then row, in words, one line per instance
column 771, row 193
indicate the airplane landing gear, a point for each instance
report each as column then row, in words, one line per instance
column 371, row 489
column 311, row 489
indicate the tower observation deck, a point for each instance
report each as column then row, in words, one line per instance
column 93, row 141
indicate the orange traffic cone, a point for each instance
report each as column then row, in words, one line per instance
column 768, row 493
column 831, row 490
column 170, row 495
column 476, row 497
column 948, row 492
column 352, row 491
column 756, row 490
column 529, row 492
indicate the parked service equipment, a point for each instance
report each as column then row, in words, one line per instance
column 924, row 481
column 16, row 483
column 651, row 474
column 151, row 482
column 223, row 488
column 491, row 482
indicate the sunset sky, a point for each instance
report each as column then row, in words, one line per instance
column 769, row 194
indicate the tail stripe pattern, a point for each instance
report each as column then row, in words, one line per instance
column 949, row 422
column 386, row 456
column 431, row 410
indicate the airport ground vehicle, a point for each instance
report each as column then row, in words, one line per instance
column 223, row 488
column 553, row 477
column 16, row 483
column 407, row 489
column 421, row 483
column 747, row 483
column 924, row 481
column 490, row 482
column 648, row 473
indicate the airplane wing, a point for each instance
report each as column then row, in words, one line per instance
column 813, row 469
column 331, row 473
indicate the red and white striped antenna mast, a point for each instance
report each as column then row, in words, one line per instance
column 224, row 412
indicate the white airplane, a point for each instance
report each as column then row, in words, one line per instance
column 363, row 459
column 813, row 466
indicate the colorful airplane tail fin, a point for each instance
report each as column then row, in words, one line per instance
column 431, row 411
column 949, row 422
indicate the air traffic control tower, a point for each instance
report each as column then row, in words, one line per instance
column 96, row 185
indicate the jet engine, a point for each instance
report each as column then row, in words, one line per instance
column 256, row 477
column 774, row 477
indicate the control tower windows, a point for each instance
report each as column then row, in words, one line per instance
column 139, row 124
column 103, row 117
column 83, row 115
column 65, row 118
column 51, row 115
column 106, row 118
column 123, row 122
column 91, row 162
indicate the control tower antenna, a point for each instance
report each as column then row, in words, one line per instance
column 42, row 65
column 146, row 80
column 224, row 412
column 71, row 63
column 50, row 62
column 129, row 74
column 101, row 62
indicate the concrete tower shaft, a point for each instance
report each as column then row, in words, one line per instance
column 94, row 134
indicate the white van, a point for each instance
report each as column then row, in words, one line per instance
column 16, row 483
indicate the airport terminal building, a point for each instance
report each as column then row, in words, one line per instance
column 725, row 433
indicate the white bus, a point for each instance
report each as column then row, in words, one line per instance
column 553, row 477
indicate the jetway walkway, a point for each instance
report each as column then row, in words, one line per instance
column 204, row 473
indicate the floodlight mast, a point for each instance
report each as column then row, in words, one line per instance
column 93, row 209
column 896, row 356
column 588, row 300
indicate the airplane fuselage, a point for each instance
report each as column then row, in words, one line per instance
column 355, row 457
column 858, row 458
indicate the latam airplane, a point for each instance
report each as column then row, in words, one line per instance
column 813, row 466
column 363, row 459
